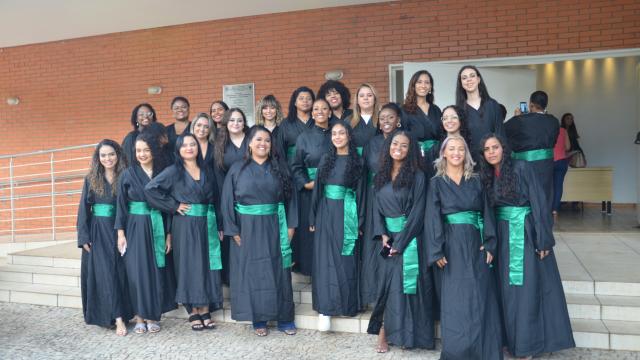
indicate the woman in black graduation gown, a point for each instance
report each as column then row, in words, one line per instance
column 483, row 113
column 336, row 215
column 269, row 113
column 229, row 148
column 404, row 305
column 142, row 240
column 187, row 191
column 142, row 116
column 388, row 122
column 203, row 128
column 259, row 209
column 310, row 146
column 364, row 120
column 104, row 291
column 217, row 110
column 534, row 308
column 298, row 120
column 459, row 230
column 180, row 111
column 338, row 97
column 422, row 117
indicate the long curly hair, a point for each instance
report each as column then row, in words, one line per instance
column 410, row 165
column 461, row 93
column 97, row 172
column 158, row 159
column 338, row 86
column 441, row 163
column 507, row 182
column 462, row 118
column 279, row 167
column 353, row 172
column 292, row 115
column 411, row 100
column 223, row 138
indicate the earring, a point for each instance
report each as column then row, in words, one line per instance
column 399, row 125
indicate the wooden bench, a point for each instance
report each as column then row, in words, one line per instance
column 590, row 184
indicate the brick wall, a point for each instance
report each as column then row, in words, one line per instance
column 79, row 91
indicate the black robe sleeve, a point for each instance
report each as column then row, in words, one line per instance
column 83, row 223
column 292, row 210
column 489, row 234
column 379, row 227
column 542, row 217
column 158, row 191
column 433, row 226
column 298, row 167
column 122, row 208
column 415, row 218
column 361, row 202
column 230, row 221
column 498, row 121
column 316, row 195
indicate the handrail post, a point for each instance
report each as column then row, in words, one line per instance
column 12, row 202
column 53, row 201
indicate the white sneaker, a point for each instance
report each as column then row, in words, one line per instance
column 324, row 322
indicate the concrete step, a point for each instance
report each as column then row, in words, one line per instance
column 40, row 275
column 605, row 288
column 40, row 294
column 606, row 334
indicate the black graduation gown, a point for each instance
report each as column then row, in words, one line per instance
column 370, row 246
column 363, row 132
column 172, row 136
column 152, row 290
column 487, row 119
column 425, row 127
column 196, row 284
column 103, row 277
column 334, row 277
column 534, row 131
column 535, row 314
column 232, row 154
column 288, row 133
column 209, row 163
column 346, row 113
column 310, row 146
column 260, row 287
column 470, row 319
column 408, row 319
column 129, row 146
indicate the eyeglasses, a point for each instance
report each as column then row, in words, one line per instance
column 452, row 117
column 145, row 114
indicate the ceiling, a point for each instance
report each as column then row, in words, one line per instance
column 35, row 21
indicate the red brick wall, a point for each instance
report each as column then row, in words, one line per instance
column 79, row 91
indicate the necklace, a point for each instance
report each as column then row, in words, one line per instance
column 148, row 172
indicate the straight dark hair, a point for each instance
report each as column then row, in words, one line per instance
column 179, row 162
column 411, row 100
column 461, row 94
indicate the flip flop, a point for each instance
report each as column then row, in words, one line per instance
column 153, row 327
column 140, row 328
column 262, row 332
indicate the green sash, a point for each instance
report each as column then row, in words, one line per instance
column 410, row 269
column 467, row 217
column 312, row 173
column 427, row 145
column 370, row 177
column 291, row 152
column 533, row 155
column 215, row 261
column 338, row 192
column 103, row 210
column 157, row 228
column 271, row 209
column 515, row 216
column 359, row 150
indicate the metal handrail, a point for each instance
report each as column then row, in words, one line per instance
column 39, row 178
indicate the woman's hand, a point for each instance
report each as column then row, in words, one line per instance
column 309, row 185
column 489, row 256
column 290, row 233
column 122, row 244
column 221, row 235
column 312, row 228
column 183, row 208
column 236, row 238
column 442, row 262
column 86, row 247
column 167, row 244
column 385, row 240
column 542, row 253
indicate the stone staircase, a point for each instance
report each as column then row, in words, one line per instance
column 604, row 314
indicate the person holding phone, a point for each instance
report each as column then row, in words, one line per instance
column 532, row 136
column 402, row 315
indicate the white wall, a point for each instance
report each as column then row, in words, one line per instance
column 602, row 95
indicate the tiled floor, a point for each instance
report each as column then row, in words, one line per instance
column 591, row 219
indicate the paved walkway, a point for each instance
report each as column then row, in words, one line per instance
column 40, row 332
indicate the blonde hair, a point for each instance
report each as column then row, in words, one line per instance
column 441, row 163
column 212, row 125
column 355, row 118
column 268, row 100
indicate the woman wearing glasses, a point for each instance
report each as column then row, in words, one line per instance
column 142, row 117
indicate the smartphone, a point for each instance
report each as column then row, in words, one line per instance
column 386, row 250
column 524, row 107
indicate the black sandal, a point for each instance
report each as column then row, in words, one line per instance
column 196, row 327
column 207, row 316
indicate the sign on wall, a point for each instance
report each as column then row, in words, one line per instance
column 241, row 96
